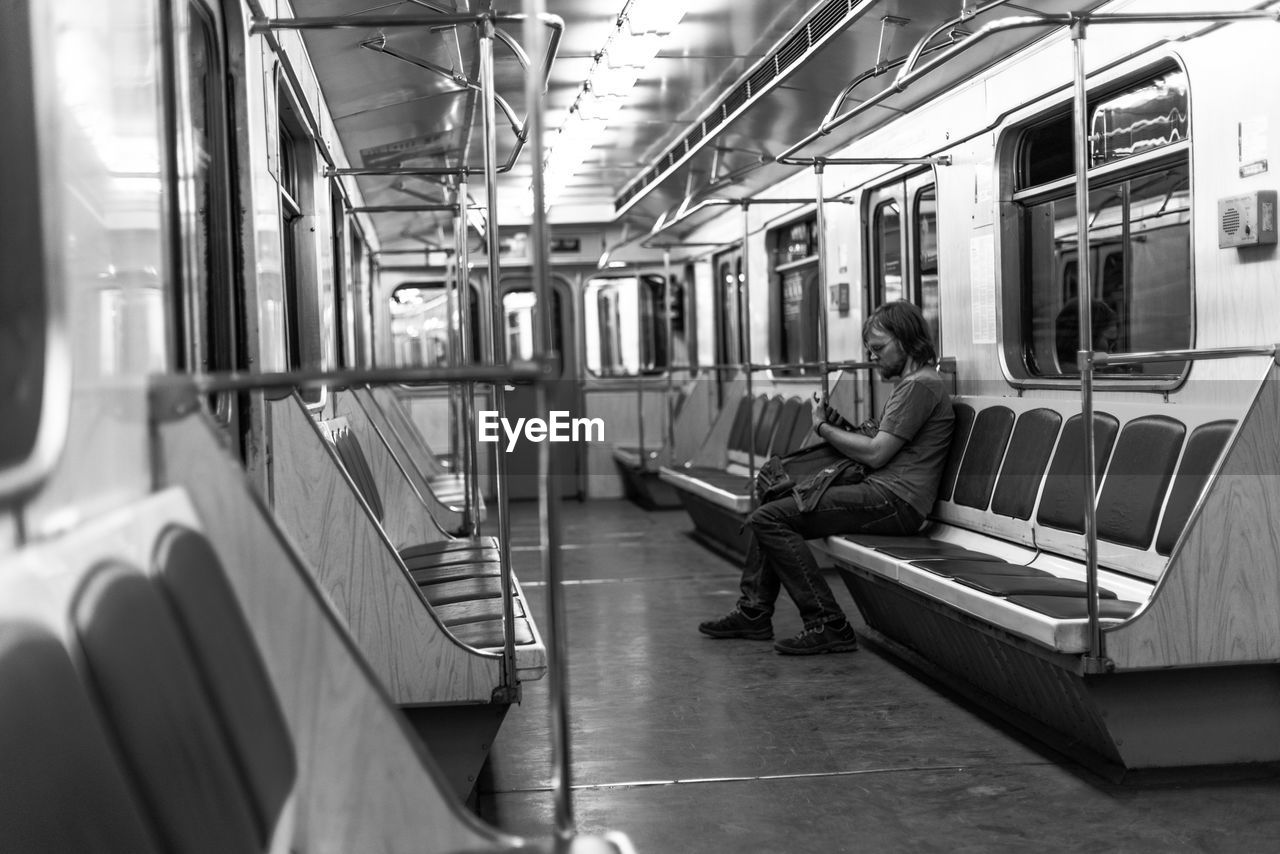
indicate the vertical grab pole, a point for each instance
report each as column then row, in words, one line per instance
column 640, row 384
column 456, row 453
column 744, row 292
column 548, row 500
column 823, row 308
column 470, row 447
column 671, row 348
column 487, row 95
column 1084, row 354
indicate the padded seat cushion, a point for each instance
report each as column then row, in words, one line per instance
column 786, row 423
column 740, row 430
column 1076, row 607
column 149, row 689
column 1062, row 501
column 989, row 438
column 736, row 484
column 1016, row 585
column 1024, row 463
column 192, row 578
column 938, row 550
column 800, row 431
column 980, row 567
column 1137, row 479
column 62, row 788
column 766, row 423
column 959, row 440
column 1198, row 461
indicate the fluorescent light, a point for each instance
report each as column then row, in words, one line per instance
column 628, row 50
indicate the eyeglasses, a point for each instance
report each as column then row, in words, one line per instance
column 874, row 350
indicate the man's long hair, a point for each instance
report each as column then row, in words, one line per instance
column 904, row 321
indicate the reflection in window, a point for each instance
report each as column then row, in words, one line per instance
column 1144, row 118
column 797, row 304
column 926, row 260
column 626, row 328
column 887, row 231
column 518, row 320
column 729, row 287
column 1139, row 233
column 420, row 324
column 1139, row 265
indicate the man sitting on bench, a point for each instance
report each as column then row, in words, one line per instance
column 905, row 457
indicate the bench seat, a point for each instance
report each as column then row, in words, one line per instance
column 722, row 488
column 1006, row 536
column 719, row 497
column 931, row 579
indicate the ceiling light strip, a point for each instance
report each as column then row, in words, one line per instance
column 815, row 31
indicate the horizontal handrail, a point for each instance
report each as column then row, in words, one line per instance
column 791, row 366
column 1104, row 359
column 908, row 74
column 289, row 380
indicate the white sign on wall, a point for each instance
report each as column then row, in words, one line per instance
column 982, row 287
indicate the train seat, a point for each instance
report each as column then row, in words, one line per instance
column 63, row 788
column 374, row 548
column 780, row 427
column 718, row 496
column 443, row 551
column 467, row 573
column 639, row 457
column 684, row 429
column 386, row 412
column 141, row 709
column 397, row 448
column 1004, row 543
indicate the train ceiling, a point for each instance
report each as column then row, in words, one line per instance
column 734, row 84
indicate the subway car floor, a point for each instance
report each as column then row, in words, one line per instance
column 689, row 744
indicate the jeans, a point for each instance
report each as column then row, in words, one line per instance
column 778, row 556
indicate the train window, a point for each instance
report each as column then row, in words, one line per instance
column 206, row 301
column 626, row 327
column 1139, row 239
column 340, row 324
column 1149, row 116
column 684, row 349
column 926, row 260
column 421, row 317
column 794, row 290
column 290, row 214
column 1046, row 152
column 358, row 349
column 35, row 368
column 729, row 337
column 304, row 338
column 886, row 230
column 518, row 320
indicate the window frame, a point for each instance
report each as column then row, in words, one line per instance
column 299, row 194
column 651, row 350
column 783, row 265
column 1012, row 256
column 208, row 300
column 28, row 247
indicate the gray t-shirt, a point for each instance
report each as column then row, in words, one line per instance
column 918, row 412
